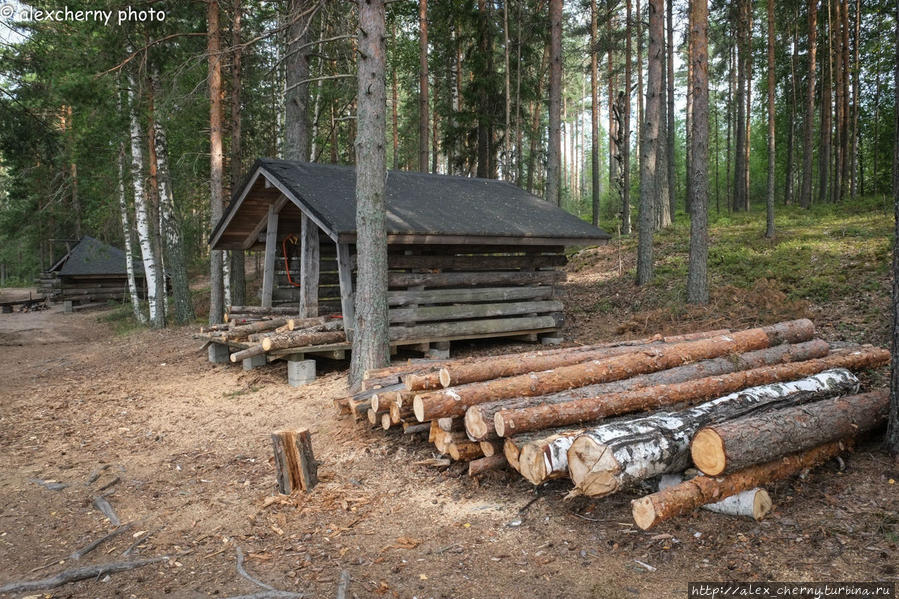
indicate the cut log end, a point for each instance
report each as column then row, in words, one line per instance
column 474, row 424
column 266, row 344
column 707, row 451
column 644, row 513
column 445, row 378
column 761, row 504
column 592, row 467
column 499, row 425
column 418, row 407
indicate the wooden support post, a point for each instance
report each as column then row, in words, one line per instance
column 347, row 295
column 309, row 268
column 271, row 248
column 294, row 461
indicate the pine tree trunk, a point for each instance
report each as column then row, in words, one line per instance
column 171, row 232
column 296, row 134
column 805, row 193
column 741, row 142
column 554, row 157
column 892, row 437
column 697, row 272
column 129, row 251
column 663, row 185
column 826, row 131
column 616, row 456
column 844, row 124
column 769, row 221
column 483, row 111
column 670, row 132
column 853, row 139
column 536, row 133
column 788, row 178
column 143, row 220
column 649, row 147
column 626, row 134
column 369, row 334
column 216, row 159
column 423, row 112
column 507, row 132
column 238, row 257
column 594, row 114
column 639, row 131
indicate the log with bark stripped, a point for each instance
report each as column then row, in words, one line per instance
column 464, row 451
column 479, row 418
column 611, row 457
column 734, row 445
column 454, row 401
column 492, row 447
column 510, row 422
column 689, row 495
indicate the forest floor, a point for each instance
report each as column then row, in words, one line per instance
column 187, row 444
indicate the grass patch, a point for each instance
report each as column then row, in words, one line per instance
column 121, row 318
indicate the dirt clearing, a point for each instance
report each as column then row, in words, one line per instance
column 183, row 446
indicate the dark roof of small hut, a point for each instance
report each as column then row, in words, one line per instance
column 418, row 204
column 92, row 257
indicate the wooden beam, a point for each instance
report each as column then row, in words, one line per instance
column 263, row 223
column 271, row 246
column 347, row 294
column 309, row 267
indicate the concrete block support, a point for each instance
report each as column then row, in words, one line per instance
column 439, row 350
column 219, row 353
column 255, row 362
column 300, row 372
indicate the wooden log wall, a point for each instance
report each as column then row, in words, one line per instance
column 447, row 291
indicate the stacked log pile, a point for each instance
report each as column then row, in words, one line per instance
column 746, row 407
column 252, row 331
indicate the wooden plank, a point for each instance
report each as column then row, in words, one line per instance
column 271, row 243
column 463, row 279
column 347, row 294
column 483, row 294
column 309, row 268
column 475, row 262
column 485, row 328
column 464, row 311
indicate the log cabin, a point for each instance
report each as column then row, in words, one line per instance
column 467, row 258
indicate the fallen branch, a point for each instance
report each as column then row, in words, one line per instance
column 270, row 591
column 76, row 574
column 101, row 504
column 343, row 585
column 93, row 545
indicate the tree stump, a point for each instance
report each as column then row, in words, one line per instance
column 294, row 461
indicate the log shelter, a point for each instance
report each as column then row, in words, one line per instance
column 467, row 258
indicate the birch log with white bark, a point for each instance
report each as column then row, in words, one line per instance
column 752, row 503
column 611, row 457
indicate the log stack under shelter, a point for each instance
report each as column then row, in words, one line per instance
column 744, row 407
column 467, row 258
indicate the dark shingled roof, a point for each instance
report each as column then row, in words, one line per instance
column 425, row 204
column 92, row 257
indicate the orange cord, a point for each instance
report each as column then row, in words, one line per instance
column 293, row 239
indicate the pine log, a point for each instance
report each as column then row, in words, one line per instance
column 443, row 439
column 386, row 421
column 471, row 279
column 464, row 451
column 486, row 463
column 752, row 503
column 453, row 401
column 253, row 350
column 410, row 428
column 510, row 422
column 294, row 324
column 412, row 365
column 433, row 431
column 398, row 413
column 511, row 452
column 342, row 405
column 294, row 461
column 422, row 375
column 492, row 447
column 729, row 446
column 493, row 368
column 689, row 495
column 611, row 457
column 450, row 424
column 479, row 418
column 259, row 326
column 258, row 337
column 359, row 408
column 302, row 339
column 374, row 418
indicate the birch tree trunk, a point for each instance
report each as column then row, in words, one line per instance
column 143, row 222
column 697, row 273
column 649, row 149
column 370, row 333
column 171, row 232
column 216, row 159
column 554, row 157
column 129, row 251
column 612, row 457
